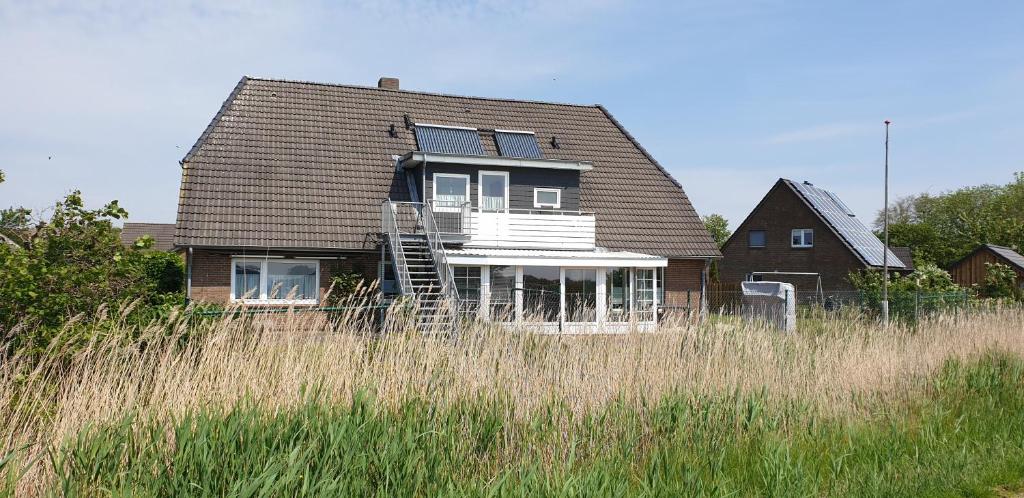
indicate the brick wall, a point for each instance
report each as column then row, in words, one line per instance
column 682, row 283
column 780, row 212
column 211, row 272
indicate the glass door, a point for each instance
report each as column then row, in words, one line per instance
column 493, row 191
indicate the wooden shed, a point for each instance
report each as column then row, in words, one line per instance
column 970, row 270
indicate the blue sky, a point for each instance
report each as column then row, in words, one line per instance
column 106, row 96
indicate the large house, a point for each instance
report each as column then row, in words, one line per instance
column 804, row 235
column 523, row 210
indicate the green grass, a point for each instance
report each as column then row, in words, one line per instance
column 963, row 437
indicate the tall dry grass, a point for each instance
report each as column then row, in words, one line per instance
column 177, row 366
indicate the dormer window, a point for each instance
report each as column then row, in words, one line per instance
column 550, row 198
column 493, row 191
column 451, row 192
column 803, row 237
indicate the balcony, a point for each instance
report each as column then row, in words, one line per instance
column 515, row 228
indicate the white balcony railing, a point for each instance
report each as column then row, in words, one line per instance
column 518, row 228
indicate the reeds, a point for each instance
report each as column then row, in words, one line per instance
column 181, row 366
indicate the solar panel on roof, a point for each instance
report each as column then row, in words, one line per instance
column 517, row 144
column 837, row 214
column 448, row 140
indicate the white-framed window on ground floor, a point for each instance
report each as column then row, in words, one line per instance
column 643, row 296
column 273, row 281
column 503, row 293
column 660, row 275
column 467, row 282
column 617, row 291
column 581, row 294
column 542, row 293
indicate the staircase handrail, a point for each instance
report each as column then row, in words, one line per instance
column 444, row 269
column 389, row 225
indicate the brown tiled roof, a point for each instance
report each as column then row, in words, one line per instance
column 288, row 164
column 905, row 255
column 162, row 233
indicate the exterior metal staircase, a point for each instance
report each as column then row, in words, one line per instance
column 424, row 276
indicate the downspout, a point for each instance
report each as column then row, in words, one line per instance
column 703, row 289
column 188, row 276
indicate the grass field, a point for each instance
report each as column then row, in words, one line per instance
column 297, row 405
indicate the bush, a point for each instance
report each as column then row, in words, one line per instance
column 928, row 288
column 1000, row 282
column 73, row 265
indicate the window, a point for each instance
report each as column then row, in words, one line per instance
column 493, row 191
column 643, row 297
column 617, row 288
column 660, row 275
column 803, row 237
column 542, row 293
column 756, row 238
column 450, row 191
column 503, row 302
column 275, row 280
column 547, row 198
column 467, row 282
column 580, row 295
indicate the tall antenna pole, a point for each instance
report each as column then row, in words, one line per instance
column 885, row 229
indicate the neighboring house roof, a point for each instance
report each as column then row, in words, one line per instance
column 844, row 223
column 288, row 164
column 1009, row 256
column 905, row 255
column 162, row 233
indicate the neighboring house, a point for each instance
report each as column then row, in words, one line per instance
column 799, row 234
column 971, row 270
column 517, row 208
column 905, row 255
column 162, row 234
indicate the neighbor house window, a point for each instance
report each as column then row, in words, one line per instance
column 660, row 275
column 803, row 237
column 756, row 238
column 275, row 280
column 493, row 191
column 450, row 191
column 547, row 198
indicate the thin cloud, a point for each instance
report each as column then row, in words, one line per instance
column 818, row 133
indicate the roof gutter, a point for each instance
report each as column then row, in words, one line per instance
column 416, row 158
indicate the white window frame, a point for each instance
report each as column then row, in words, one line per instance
column 264, row 265
column 802, row 232
column 558, row 198
column 480, row 190
column 433, row 195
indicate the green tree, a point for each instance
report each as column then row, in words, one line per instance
column 718, row 226
column 945, row 227
column 72, row 265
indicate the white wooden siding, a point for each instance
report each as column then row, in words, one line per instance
column 535, row 231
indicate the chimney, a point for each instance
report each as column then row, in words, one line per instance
column 387, row 83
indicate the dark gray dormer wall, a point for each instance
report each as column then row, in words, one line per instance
column 522, row 181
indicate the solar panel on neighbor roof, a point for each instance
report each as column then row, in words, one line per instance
column 849, row 227
column 448, row 140
column 517, row 144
